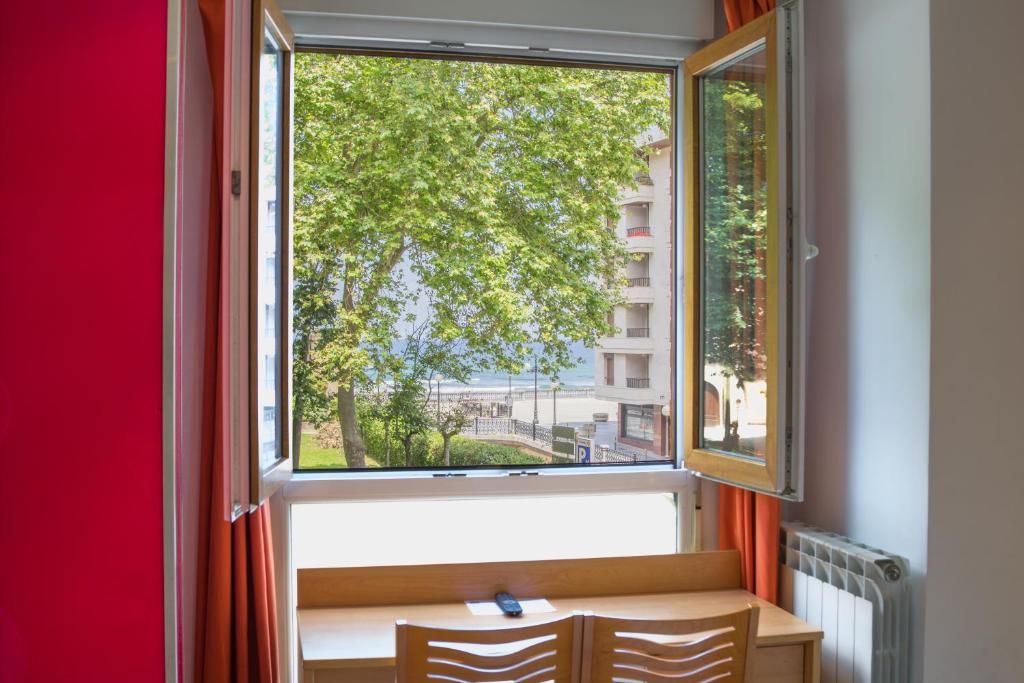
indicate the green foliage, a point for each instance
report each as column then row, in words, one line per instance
column 470, row 452
column 427, row 449
column 492, row 183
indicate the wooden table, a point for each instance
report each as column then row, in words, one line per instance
column 347, row 616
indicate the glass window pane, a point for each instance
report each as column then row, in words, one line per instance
column 482, row 263
column 268, row 248
column 499, row 529
column 734, row 237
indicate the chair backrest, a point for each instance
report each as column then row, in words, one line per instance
column 536, row 653
column 647, row 651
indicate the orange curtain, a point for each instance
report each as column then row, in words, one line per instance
column 747, row 521
column 739, row 12
column 236, row 605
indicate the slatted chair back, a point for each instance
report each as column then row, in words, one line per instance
column 547, row 652
column 617, row 650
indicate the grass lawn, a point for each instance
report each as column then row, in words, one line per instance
column 314, row 457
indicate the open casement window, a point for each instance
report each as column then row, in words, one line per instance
column 744, row 254
column 269, row 251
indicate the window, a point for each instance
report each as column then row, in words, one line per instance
column 743, row 400
column 435, row 531
column 638, row 422
column 456, row 286
column 269, row 195
column 481, row 258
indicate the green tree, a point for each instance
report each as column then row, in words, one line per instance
column 452, row 418
column 487, row 187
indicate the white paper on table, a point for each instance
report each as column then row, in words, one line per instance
column 486, row 608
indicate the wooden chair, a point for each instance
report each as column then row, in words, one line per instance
column 534, row 653
column 683, row 651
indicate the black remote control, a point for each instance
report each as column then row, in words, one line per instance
column 508, row 604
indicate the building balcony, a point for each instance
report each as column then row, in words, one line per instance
column 642, row 194
column 638, row 332
column 640, row 281
column 623, row 394
column 638, row 382
column 627, row 344
column 639, row 231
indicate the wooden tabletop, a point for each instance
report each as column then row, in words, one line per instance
column 341, row 637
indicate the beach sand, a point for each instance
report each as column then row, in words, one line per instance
column 568, row 409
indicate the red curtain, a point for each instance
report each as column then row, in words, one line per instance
column 236, row 606
column 739, row 12
column 747, row 521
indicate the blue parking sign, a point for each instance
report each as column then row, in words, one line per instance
column 583, row 453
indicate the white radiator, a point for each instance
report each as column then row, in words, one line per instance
column 858, row 596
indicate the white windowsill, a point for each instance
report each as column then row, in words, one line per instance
column 308, row 487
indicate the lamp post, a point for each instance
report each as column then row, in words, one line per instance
column 534, row 398
column 534, row 391
column 439, row 379
column 554, row 402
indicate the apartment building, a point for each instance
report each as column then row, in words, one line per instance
column 634, row 365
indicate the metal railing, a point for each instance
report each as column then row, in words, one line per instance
column 638, row 382
column 639, row 281
column 527, row 430
column 640, row 231
column 604, row 454
column 540, row 436
column 638, row 332
column 498, row 396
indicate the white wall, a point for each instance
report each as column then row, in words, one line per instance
column 868, row 382
column 681, row 18
column 976, row 470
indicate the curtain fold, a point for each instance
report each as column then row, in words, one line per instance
column 739, row 12
column 236, row 602
column 748, row 521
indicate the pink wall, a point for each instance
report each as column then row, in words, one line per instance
column 81, row 201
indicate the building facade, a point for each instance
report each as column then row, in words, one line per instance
column 634, row 367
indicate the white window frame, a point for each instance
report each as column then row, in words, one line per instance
column 311, row 486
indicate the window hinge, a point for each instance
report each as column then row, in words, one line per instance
column 449, row 474
column 447, row 45
column 789, row 42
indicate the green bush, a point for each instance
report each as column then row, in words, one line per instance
column 470, row 452
column 428, row 448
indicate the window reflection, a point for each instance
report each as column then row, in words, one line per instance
column 268, row 246
column 734, row 234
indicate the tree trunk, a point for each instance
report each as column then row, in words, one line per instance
column 351, row 441
column 731, row 441
column 407, row 445
column 387, row 443
column 447, row 449
column 296, row 429
column 302, row 349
